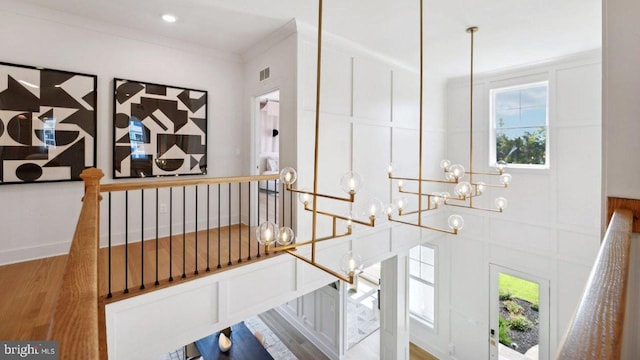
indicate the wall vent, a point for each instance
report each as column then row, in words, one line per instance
column 265, row 73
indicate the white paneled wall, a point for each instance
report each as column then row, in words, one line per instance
column 551, row 228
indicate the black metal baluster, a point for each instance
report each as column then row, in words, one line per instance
column 258, row 220
column 219, row 227
column 208, row 223
column 157, row 213
column 229, row 227
column 184, row 232
column 267, row 196
column 109, row 294
column 239, row 222
column 275, row 202
column 196, row 272
column 284, row 218
column 141, row 239
column 126, row 242
column 170, row 234
column 249, row 220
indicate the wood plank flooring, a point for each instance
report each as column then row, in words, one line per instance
column 297, row 343
column 236, row 245
column 29, row 290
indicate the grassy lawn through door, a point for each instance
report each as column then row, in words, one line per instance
column 519, row 288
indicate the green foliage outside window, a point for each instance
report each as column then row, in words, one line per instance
column 529, row 148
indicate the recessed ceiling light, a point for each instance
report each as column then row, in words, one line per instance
column 169, row 18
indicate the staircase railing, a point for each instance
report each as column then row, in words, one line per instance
column 162, row 231
column 75, row 320
column 205, row 226
column 596, row 331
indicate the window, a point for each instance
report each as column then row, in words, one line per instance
column 422, row 284
column 519, row 120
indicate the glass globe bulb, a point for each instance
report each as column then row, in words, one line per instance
column 266, row 233
column 304, row 198
column 437, row 198
column 351, row 263
column 390, row 209
column 501, row 203
column 390, row 169
column 456, row 222
column 505, row 179
column 500, row 165
column 285, row 236
column 351, row 182
column 463, row 189
column 480, row 187
column 400, row 184
column 400, row 203
column 288, row 175
column 371, row 207
column 445, row 164
column 445, row 195
column 457, row 171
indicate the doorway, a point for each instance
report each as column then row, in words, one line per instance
column 267, row 153
column 519, row 315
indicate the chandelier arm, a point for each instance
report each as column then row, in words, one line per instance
column 308, row 242
column 312, row 262
column 351, row 197
column 474, row 207
column 454, row 232
column 421, row 111
column 425, row 180
column 371, row 222
column 501, row 186
column 471, row 31
column 405, row 213
column 486, row 173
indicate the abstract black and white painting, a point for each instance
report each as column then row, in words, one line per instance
column 159, row 130
column 47, row 124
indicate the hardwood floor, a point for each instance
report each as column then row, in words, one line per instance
column 236, row 243
column 29, row 290
column 297, row 343
column 417, row 353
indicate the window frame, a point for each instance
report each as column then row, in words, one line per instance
column 431, row 324
column 493, row 126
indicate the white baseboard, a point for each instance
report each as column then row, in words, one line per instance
column 13, row 256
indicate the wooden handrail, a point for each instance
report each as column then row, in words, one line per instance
column 75, row 319
column 138, row 185
column 596, row 329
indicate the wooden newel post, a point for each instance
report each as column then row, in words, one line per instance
column 75, row 320
column 91, row 178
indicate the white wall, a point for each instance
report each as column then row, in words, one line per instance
column 621, row 116
column 38, row 220
column 551, row 228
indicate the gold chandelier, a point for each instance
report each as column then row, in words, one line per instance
column 464, row 191
column 273, row 238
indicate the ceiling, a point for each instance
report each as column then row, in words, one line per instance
column 512, row 32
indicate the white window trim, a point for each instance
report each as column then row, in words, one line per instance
column 431, row 325
column 492, row 124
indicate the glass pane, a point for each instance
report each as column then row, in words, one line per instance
column 534, row 116
column 507, row 100
column 522, row 146
column 414, row 253
column 414, row 267
column 427, row 273
column 534, row 97
column 507, row 118
column 427, row 255
column 421, row 300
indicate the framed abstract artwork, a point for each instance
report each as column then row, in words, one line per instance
column 158, row 130
column 47, row 124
